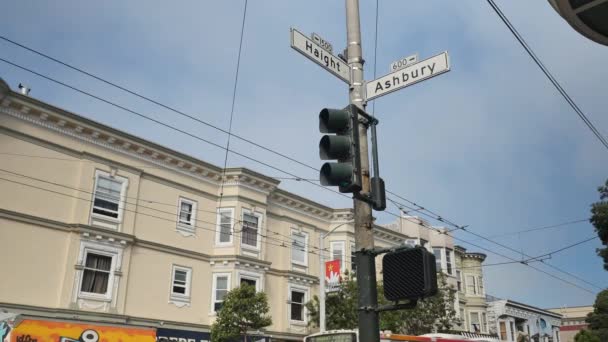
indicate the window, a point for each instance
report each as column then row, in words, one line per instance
column 249, row 233
column 107, row 201
column 353, row 259
column 97, row 274
column 221, row 284
column 337, row 253
column 187, row 212
column 437, row 252
column 297, row 305
column 475, row 326
column 512, row 331
column 459, row 280
column 249, row 278
column 471, row 286
column 299, row 248
column 503, row 331
column 225, row 222
column 180, row 284
column 250, row 282
column 484, row 322
column 448, row 260
column 480, row 285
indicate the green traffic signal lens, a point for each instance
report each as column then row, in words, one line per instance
column 336, row 174
column 334, row 147
column 334, row 120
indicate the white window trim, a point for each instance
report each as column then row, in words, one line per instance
column 442, row 262
column 114, row 253
column 121, row 203
column 458, row 275
column 475, row 286
column 331, row 251
column 189, row 229
column 220, row 212
column 306, row 292
column 259, row 279
column 471, row 321
column 178, row 298
column 449, row 252
column 297, row 262
column 260, row 217
column 214, row 289
column 481, row 289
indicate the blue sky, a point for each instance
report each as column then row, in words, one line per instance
column 490, row 144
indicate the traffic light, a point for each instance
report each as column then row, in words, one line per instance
column 343, row 147
column 409, row 273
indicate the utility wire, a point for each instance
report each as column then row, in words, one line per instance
column 137, row 205
column 540, row 64
column 158, row 103
column 216, row 145
column 236, row 82
column 540, row 228
column 502, row 255
column 168, row 125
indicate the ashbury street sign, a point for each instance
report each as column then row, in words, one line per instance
column 409, row 75
column 319, row 55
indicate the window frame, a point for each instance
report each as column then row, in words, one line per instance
column 259, row 233
column 218, row 230
column 121, row 202
column 300, row 233
column 441, row 258
column 178, row 297
column 107, row 296
column 471, row 328
column 475, row 289
column 332, row 249
column 305, row 299
column 214, row 288
column 449, row 266
column 191, row 227
column 257, row 277
column 459, row 280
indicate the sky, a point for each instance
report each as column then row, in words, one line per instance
column 490, row 144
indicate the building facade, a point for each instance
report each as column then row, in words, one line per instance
column 101, row 226
column 573, row 321
column 514, row 321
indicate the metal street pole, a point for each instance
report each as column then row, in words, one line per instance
column 322, row 275
column 369, row 327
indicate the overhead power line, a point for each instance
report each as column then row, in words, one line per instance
column 558, row 225
column 418, row 209
column 236, row 83
column 544, row 69
column 179, row 112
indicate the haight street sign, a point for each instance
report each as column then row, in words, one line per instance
column 409, row 75
column 319, row 55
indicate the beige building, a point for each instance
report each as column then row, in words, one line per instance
column 101, row 226
column 573, row 321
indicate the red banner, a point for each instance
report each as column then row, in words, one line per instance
column 332, row 275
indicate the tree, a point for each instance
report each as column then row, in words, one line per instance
column 586, row 336
column 340, row 307
column 598, row 319
column 599, row 219
column 431, row 314
column 243, row 309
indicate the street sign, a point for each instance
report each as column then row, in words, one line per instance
column 319, row 55
column 412, row 74
column 403, row 62
column 322, row 42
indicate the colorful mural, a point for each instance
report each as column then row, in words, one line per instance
column 50, row 331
